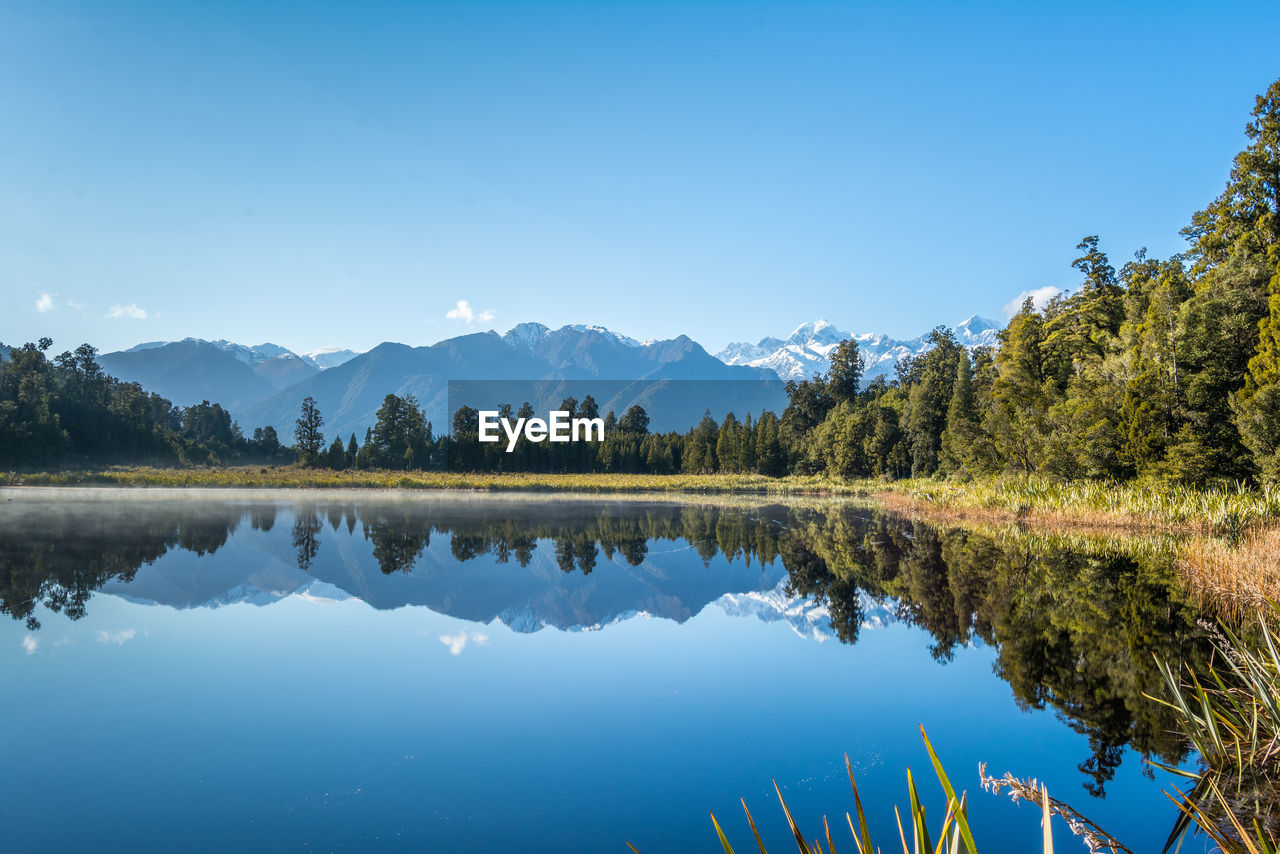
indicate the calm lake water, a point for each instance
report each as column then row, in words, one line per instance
column 187, row 671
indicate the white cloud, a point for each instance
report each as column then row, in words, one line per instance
column 130, row 311
column 1039, row 298
column 44, row 303
column 457, row 643
column 464, row 312
column 78, row 306
column 117, row 638
column 29, row 643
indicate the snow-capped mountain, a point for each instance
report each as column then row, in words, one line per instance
column 807, row 618
column 525, row 336
column 264, row 384
column 250, row 355
column 325, row 357
column 329, row 357
column 534, row 361
column 528, row 336
column 807, row 350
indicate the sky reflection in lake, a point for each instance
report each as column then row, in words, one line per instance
column 338, row 672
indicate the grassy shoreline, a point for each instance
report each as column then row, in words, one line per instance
column 1227, row 539
column 1141, row 506
column 1127, row 508
column 297, row 477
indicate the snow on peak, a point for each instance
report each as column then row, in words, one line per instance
column 819, row 331
column 977, row 332
column 329, row 356
column 525, row 335
column 600, row 330
column 249, row 355
column 807, row 350
column 806, row 617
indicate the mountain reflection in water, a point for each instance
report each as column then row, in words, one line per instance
column 1075, row 631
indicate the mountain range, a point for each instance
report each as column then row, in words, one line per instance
column 675, row 585
column 807, row 350
column 675, row 379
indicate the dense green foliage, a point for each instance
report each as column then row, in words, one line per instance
column 1169, row 369
column 66, row 411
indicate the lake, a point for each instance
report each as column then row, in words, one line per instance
column 265, row 671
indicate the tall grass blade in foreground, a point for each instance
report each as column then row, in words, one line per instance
column 1231, row 716
column 954, row 835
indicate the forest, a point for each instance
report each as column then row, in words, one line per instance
column 1166, row 369
column 67, row 411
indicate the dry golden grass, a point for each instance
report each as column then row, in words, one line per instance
column 1066, row 520
column 1242, row 578
column 298, row 477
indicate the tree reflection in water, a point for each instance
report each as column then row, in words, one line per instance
column 1078, row 631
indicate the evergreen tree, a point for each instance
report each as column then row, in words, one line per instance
column 634, row 420
column 931, row 377
column 727, row 440
column 306, row 432
column 1257, row 408
column 1019, row 403
column 747, row 446
column 961, row 417
column 336, row 457
column 1245, row 219
column 770, row 456
column 846, row 371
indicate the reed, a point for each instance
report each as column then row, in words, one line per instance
column 1225, row 511
column 1240, row 577
column 1227, row 539
column 1231, row 716
column 953, row 834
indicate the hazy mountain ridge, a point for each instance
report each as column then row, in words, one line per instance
column 188, row 372
column 265, row 384
column 525, row 600
column 324, row 357
column 673, row 585
column 349, row 395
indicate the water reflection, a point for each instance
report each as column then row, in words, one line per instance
column 1075, row 630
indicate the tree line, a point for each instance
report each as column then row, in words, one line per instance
column 403, row 439
column 66, row 410
column 1166, row 368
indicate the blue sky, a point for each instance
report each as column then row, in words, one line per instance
column 339, row 173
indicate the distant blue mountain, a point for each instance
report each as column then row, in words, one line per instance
column 265, row 384
column 193, row 370
column 349, row 395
